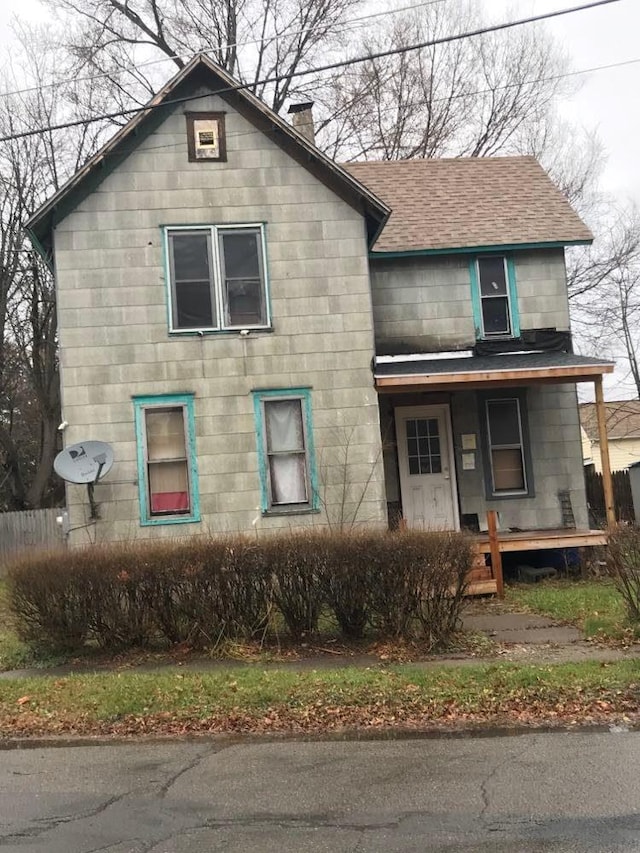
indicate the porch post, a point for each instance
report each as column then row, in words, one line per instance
column 496, row 556
column 607, row 480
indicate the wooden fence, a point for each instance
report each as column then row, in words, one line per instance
column 622, row 498
column 21, row 531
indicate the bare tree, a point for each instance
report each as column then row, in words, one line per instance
column 253, row 40
column 606, row 290
column 30, row 170
column 473, row 97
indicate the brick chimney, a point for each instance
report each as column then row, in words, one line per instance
column 302, row 120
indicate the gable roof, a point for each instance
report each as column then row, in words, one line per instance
column 623, row 419
column 469, row 203
column 202, row 72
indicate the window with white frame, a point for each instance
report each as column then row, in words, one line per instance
column 495, row 299
column 217, row 278
column 506, row 446
column 167, row 477
column 285, row 449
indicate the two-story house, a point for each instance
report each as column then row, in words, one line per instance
column 268, row 339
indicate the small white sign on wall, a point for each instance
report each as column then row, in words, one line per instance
column 469, row 441
column 468, row 461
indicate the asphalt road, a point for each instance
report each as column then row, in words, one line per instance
column 538, row 792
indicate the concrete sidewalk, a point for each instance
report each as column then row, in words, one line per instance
column 519, row 638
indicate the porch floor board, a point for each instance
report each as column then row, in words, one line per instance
column 540, row 540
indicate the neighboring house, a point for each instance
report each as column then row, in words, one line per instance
column 268, row 339
column 623, row 430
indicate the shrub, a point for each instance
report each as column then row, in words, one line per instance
column 345, row 580
column 205, row 590
column 296, row 561
column 623, row 564
column 50, row 607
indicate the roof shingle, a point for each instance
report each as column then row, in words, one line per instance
column 469, row 202
column 623, row 419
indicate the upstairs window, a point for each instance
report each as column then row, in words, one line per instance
column 167, row 478
column 494, row 297
column 217, row 278
column 285, row 450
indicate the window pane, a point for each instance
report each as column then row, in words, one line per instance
column 493, row 281
column 284, row 425
column 504, row 423
column 245, row 305
column 423, row 446
column 243, row 281
column 508, row 470
column 193, row 305
column 191, row 273
column 240, row 251
column 165, row 433
column 288, row 478
column 190, row 256
column 168, row 487
column 495, row 316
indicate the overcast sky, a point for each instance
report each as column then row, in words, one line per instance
column 607, row 100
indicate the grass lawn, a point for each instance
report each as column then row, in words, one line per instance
column 594, row 606
column 249, row 699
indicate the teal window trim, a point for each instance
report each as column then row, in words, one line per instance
column 141, row 405
column 214, row 230
column 512, row 292
column 304, row 395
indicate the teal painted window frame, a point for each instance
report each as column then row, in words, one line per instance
column 304, row 395
column 141, row 405
column 512, row 296
column 214, row 230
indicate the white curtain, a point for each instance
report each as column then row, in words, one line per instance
column 285, row 448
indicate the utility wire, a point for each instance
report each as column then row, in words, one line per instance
column 423, row 103
column 350, row 23
column 333, row 66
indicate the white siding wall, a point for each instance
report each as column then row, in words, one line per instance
column 115, row 343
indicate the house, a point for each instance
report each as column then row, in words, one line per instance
column 623, row 431
column 268, row 339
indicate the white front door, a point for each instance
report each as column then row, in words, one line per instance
column 427, row 471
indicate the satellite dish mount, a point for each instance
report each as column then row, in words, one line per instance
column 85, row 462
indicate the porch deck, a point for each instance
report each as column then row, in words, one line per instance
column 483, row 579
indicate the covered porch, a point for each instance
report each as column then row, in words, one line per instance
column 468, row 438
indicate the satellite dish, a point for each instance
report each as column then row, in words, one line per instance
column 85, row 462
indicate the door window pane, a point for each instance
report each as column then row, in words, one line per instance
column 423, row 446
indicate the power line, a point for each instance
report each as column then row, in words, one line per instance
column 333, row 66
column 422, row 103
column 350, row 23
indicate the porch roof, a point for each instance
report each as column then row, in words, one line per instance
column 469, row 371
